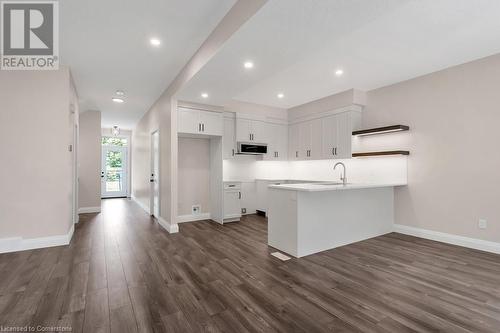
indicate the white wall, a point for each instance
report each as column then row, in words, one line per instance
column 89, row 161
column 36, row 173
column 141, row 157
column 453, row 169
column 194, row 175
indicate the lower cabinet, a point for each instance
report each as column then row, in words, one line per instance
column 232, row 201
column 262, row 193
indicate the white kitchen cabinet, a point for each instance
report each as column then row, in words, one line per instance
column 232, row 201
column 277, row 142
column 310, row 138
column 229, row 138
column 200, row 122
column 294, row 143
column 337, row 134
column 262, row 193
column 248, row 130
column 328, row 137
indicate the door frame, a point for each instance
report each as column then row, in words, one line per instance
column 125, row 167
column 151, row 171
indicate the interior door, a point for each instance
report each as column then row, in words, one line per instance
column 155, row 175
column 114, row 172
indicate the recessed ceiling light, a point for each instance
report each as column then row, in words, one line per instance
column 280, row 95
column 204, row 95
column 155, row 41
column 118, row 100
column 248, row 64
column 339, row 72
column 120, row 93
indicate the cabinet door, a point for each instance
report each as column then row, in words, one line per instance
column 229, row 138
column 281, row 135
column 293, row 142
column 232, row 205
column 305, row 130
column 316, row 140
column 212, row 123
column 330, row 134
column 188, row 121
column 344, row 135
column 258, row 129
column 271, row 141
column 243, row 130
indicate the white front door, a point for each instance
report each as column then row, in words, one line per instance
column 155, row 175
column 114, row 172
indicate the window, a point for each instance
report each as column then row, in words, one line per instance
column 114, row 141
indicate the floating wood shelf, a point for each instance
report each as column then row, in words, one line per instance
column 381, row 153
column 381, row 130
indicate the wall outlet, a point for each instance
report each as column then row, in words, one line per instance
column 243, row 211
column 482, row 224
column 195, row 209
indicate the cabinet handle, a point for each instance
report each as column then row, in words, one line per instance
column 203, row 127
column 233, row 151
column 333, row 151
column 296, row 154
column 250, row 137
column 239, row 195
column 199, row 127
column 277, row 154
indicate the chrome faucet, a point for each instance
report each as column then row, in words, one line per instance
column 343, row 177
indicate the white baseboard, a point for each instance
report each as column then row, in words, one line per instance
column 21, row 244
column 144, row 207
column 472, row 243
column 171, row 228
column 193, row 217
column 84, row 210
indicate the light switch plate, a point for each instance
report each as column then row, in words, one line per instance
column 482, row 224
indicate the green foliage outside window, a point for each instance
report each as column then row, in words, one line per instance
column 114, row 141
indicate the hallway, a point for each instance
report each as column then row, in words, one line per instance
column 124, row 273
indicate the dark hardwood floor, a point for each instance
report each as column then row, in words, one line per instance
column 123, row 273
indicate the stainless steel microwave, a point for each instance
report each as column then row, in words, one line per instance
column 246, row 148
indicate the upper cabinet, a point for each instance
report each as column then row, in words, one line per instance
column 277, row 142
column 193, row 121
column 249, row 130
column 229, row 138
column 327, row 137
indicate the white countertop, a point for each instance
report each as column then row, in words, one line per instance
column 315, row 187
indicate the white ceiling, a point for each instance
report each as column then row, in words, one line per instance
column 297, row 45
column 106, row 45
